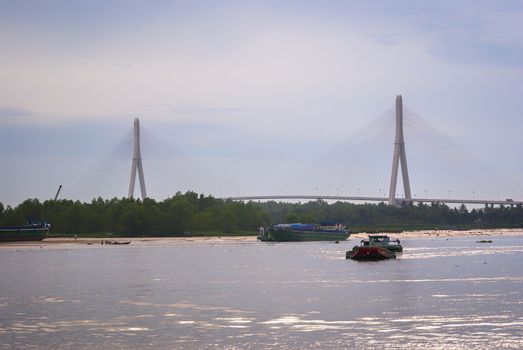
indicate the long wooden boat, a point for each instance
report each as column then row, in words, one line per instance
column 116, row 242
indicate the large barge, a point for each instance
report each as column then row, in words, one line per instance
column 30, row 232
column 298, row 232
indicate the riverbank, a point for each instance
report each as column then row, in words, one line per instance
column 165, row 241
column 450, row 233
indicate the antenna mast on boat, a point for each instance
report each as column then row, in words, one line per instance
column 137, row 163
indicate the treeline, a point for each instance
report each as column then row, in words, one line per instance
column 383, row 217
column 193, row 214
column 182, row 214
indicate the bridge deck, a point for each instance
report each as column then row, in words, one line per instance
column 377, row 199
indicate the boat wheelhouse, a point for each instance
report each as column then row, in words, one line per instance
column 383, row 241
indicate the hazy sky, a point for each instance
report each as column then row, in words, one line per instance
column 250, row 91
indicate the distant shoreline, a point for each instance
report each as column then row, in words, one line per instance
column 166, row 241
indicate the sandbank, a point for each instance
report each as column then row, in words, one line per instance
column 166, row 241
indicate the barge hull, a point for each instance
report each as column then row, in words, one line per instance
column 23, row 234
column 305, row 236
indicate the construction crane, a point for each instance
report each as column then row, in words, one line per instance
column 57, row 192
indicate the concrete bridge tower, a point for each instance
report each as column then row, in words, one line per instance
column 399, row 156
column 137, row 163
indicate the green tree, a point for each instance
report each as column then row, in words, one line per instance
column 291, row 218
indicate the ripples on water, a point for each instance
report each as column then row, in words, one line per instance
column 441, row 293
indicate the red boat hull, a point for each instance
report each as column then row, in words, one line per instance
column 370, row 253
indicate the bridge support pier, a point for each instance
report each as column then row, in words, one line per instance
column 137, row 163
column 399, row 156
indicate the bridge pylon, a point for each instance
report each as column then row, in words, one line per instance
column 399, row 156
column 137, row 163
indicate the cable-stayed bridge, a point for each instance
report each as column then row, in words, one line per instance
column 399, row 160
column 365, row 169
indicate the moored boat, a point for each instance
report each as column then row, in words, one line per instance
column 305, row 232
column 115, row 242
column 30, row 232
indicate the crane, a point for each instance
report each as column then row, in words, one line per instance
column 57, row 192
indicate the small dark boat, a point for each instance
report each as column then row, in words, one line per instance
column 116, row 242
column 369, row 253
column 484, row 241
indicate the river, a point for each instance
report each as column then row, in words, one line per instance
column 441, row 293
